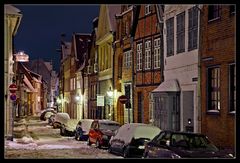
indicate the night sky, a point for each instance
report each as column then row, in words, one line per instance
column 41, row 27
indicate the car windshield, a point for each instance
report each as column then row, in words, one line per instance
column 192, row 142
column 109, row 126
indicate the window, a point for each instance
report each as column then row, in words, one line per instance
column 147, row 9
column 139, row 56
column 193, row 28
column 147, row 55
column 213, row 89
column 213, row 12
column 128, row 59
column 157, row 53
column 232, row 87
column 232, row 9
column 170, row 36
column 181, row 32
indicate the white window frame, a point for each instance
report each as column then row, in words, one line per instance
column 139, row 56
column 148, row 55
column 147, row 9
column 128, row 59
column 157, row 53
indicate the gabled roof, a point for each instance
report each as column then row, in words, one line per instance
column 81, row 44
column 107, row 21
column 112, row 11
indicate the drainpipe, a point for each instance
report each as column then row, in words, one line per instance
column 113, row 83
column 199, row 70
column 133, row 80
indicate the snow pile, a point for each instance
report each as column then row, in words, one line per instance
column 20, row 128
column 56, row 146
column 15, row 145
column 25, row 140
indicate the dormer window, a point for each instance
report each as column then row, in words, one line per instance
column 147, row 9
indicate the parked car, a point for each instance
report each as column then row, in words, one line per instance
column 130, row 138
column 82, row 129
column 171, row 144
column 59, row 119
column 68, row 127
column 101, row 132
column 46, row 113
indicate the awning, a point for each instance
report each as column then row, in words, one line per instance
column 28, row 84
column 168, row 86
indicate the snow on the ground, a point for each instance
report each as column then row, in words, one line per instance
column 28, row 143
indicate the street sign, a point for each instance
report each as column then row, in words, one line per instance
column 13, row 88
column 100, row 100
column 13, row 97
column 123, row 99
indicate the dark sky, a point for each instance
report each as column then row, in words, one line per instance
column 41, row 26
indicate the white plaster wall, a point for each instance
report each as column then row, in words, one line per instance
column 182, row 66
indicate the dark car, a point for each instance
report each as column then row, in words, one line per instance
column 129, row 139
column 82, row 129
column 101, row 132
column 172, row 144
column 46, row 113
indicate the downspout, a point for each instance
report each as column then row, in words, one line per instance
column 113, row 83
column 199, row 70
column 133, row 80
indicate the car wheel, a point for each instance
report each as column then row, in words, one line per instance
column 109, row 149
column 76, row 136
column 98, row 144
column 62, row 131
column 126, row 152
column 89, row 142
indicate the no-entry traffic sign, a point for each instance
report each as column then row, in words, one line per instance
column 13, row 88
column 123, row 99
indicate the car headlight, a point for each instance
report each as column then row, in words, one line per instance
column 104, row 137
column 174, row 155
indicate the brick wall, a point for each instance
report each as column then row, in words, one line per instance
column 218, row 42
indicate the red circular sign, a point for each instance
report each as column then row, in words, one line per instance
column 13, row 88
column 123, row 99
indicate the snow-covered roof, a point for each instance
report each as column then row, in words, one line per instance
column 168, row 86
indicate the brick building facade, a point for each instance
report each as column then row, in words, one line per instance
column 123, row 64
column 146, row 60
column 218, row 74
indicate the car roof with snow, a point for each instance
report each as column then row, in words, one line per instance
column 136, row 130
column 61, row 117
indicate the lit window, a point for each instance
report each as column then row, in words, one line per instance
column 214, row 89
